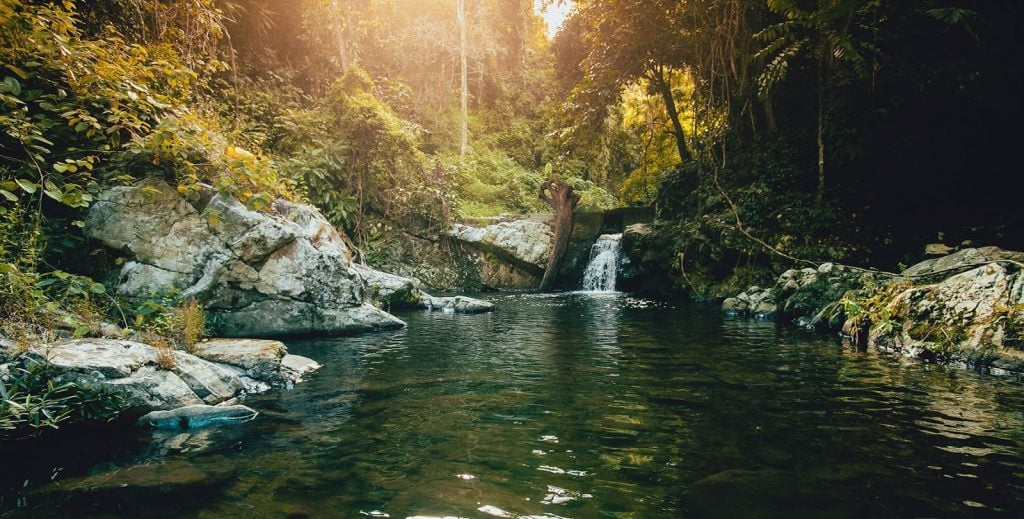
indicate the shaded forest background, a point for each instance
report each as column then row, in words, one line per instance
column 846, row 130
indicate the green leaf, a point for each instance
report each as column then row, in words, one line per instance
column 20, row 73
column 8, row 195
column 26, row 186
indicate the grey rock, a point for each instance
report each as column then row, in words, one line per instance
column 211, row 382
column 764, row 310
column 195, row 416
column 526, row 241
column 259, row 358
column 109, row 358
column 962, row 259
column 388, row 290
column 295, row 367
column 251, row 271
column 735, row 306
column 456, row 304
column 156, row 389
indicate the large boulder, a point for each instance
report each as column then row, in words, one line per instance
column 286, row 271
column 525, row 243
column 456, row 304
column 963, row 259
column 974, row 318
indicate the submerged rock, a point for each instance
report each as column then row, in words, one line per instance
column 195, row 416
column 282, row 272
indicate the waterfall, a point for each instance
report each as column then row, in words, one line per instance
column 605, row 256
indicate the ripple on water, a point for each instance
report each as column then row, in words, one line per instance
column 582, row 406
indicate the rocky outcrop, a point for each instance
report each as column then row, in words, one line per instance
column 286, row 271
column 524, row 242
column 809, row 295
column 157, row 379
column 975, row 318
column 966, row 258
column 506, row 254
column 965, row 308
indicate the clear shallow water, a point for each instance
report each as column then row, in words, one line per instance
column 574, row 405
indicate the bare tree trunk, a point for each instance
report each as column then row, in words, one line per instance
column 339, row 36
column 664, row 86
column 464, row 140
column 821, row 133
column 563, row 200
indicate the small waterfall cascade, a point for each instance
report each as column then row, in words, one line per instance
column 605, row 257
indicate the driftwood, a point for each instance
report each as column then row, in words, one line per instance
column 563, row 200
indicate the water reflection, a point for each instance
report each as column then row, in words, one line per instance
column 576, row 405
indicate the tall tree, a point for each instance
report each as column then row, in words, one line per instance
column 625, row 41
column 464, row 76
column 822, row 35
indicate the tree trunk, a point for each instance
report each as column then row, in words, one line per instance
column 664, row 86
column 821, row 133
column 563, row 200
column 464, row 138
column 339, row 36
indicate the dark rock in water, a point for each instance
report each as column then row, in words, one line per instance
column 195, row 416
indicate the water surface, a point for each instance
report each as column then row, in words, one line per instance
column 571, row 405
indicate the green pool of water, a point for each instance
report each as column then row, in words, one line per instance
column 572, row 405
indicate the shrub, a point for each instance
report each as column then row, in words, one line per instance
column 32, row 399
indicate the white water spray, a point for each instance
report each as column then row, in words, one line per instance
column 605, row 257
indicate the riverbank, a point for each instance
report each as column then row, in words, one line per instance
column 966, row 308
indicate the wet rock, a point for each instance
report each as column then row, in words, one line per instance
column 196, row 416
column 764, row 310
column 295, row 367
column 735, row 306
column 456, row 304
